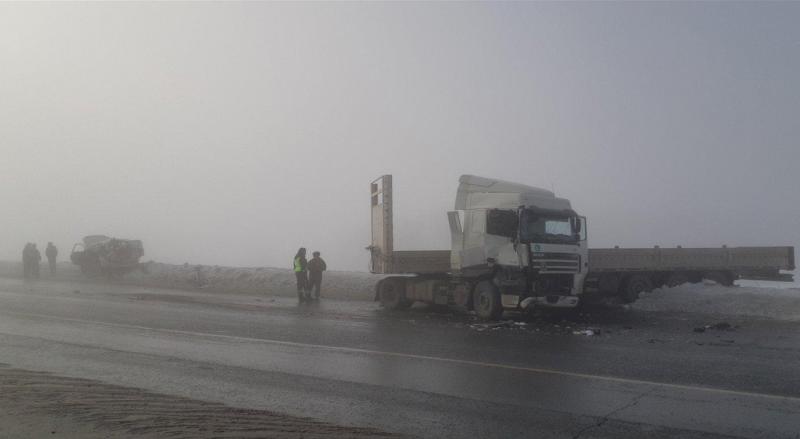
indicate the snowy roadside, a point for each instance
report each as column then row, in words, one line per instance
column 241, row 280
column 776, row 301
column 764, row 299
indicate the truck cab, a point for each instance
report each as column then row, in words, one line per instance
column 519, row 242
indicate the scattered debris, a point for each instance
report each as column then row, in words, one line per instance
column 588, row 332
column 721, row 326
column 497, row 325
column 656, row 340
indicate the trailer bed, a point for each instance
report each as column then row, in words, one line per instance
column 749, row 262
column 755, row 261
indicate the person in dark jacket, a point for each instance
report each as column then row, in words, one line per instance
column 300, row 265
column 315, row 268
column 36, row 257
column 27, row 264
column 51, row 252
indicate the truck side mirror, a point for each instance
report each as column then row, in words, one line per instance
column 577, row 226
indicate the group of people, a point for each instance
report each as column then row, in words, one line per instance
column 31, row 257
column 308, row 274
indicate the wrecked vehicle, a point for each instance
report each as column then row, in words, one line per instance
column 514, row 247
column 102, row 255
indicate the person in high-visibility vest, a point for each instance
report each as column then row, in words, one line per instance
column 301, row 273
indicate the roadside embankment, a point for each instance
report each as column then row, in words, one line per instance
column 242, row 280
column 761, row 301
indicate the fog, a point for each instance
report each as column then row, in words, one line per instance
column 233, row 133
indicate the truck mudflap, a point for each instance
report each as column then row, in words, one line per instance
column 549, row 301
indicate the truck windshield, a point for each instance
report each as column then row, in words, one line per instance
column 554, row 229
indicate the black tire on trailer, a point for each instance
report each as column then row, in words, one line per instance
column 391, row 294
column 721, row 277
column 635, row 285
column 486, row 301
column 608, row 283
column 695, row 277
column 676, row 278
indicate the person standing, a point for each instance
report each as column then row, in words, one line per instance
column 301, row 273
column 36, row 257
column 51, row 252
column 26, row 261
column 315, row 268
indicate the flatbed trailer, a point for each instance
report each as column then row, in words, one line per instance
column 616, row 274
column 759, row 263
column 656, row 267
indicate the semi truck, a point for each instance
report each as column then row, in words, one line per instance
column 515, row 247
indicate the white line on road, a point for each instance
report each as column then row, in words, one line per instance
column 412, row 356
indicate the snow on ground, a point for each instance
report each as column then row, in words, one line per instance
column 770, row 284
column 257, row 280
column 778, row 300
column 745, row 299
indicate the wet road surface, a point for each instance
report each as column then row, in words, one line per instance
column 419, row 373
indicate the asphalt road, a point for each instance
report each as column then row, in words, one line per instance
column 419, row 373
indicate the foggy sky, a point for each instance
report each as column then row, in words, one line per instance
column 231, row 134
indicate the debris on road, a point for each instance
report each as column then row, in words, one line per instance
column 497, row 325
column 721, row 326
column 588, row 332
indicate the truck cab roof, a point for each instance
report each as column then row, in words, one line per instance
column 476, row 192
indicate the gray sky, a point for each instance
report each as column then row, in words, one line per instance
column 227, row 133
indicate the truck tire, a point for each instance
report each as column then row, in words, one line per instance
column 486, row 301
column 721, row 277
column 391, row 294
column 608, row 283
column 636, row 284
column 675, row 279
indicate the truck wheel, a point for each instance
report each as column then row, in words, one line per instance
column 391, row 293
column 486, row 301
column 637, row 284
column 676, row 279
column 720, row 277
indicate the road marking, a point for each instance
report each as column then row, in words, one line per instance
column 414, row 356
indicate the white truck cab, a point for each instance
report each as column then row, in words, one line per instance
column 531, row 243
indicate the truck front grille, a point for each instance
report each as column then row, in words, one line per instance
column 556, row 263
